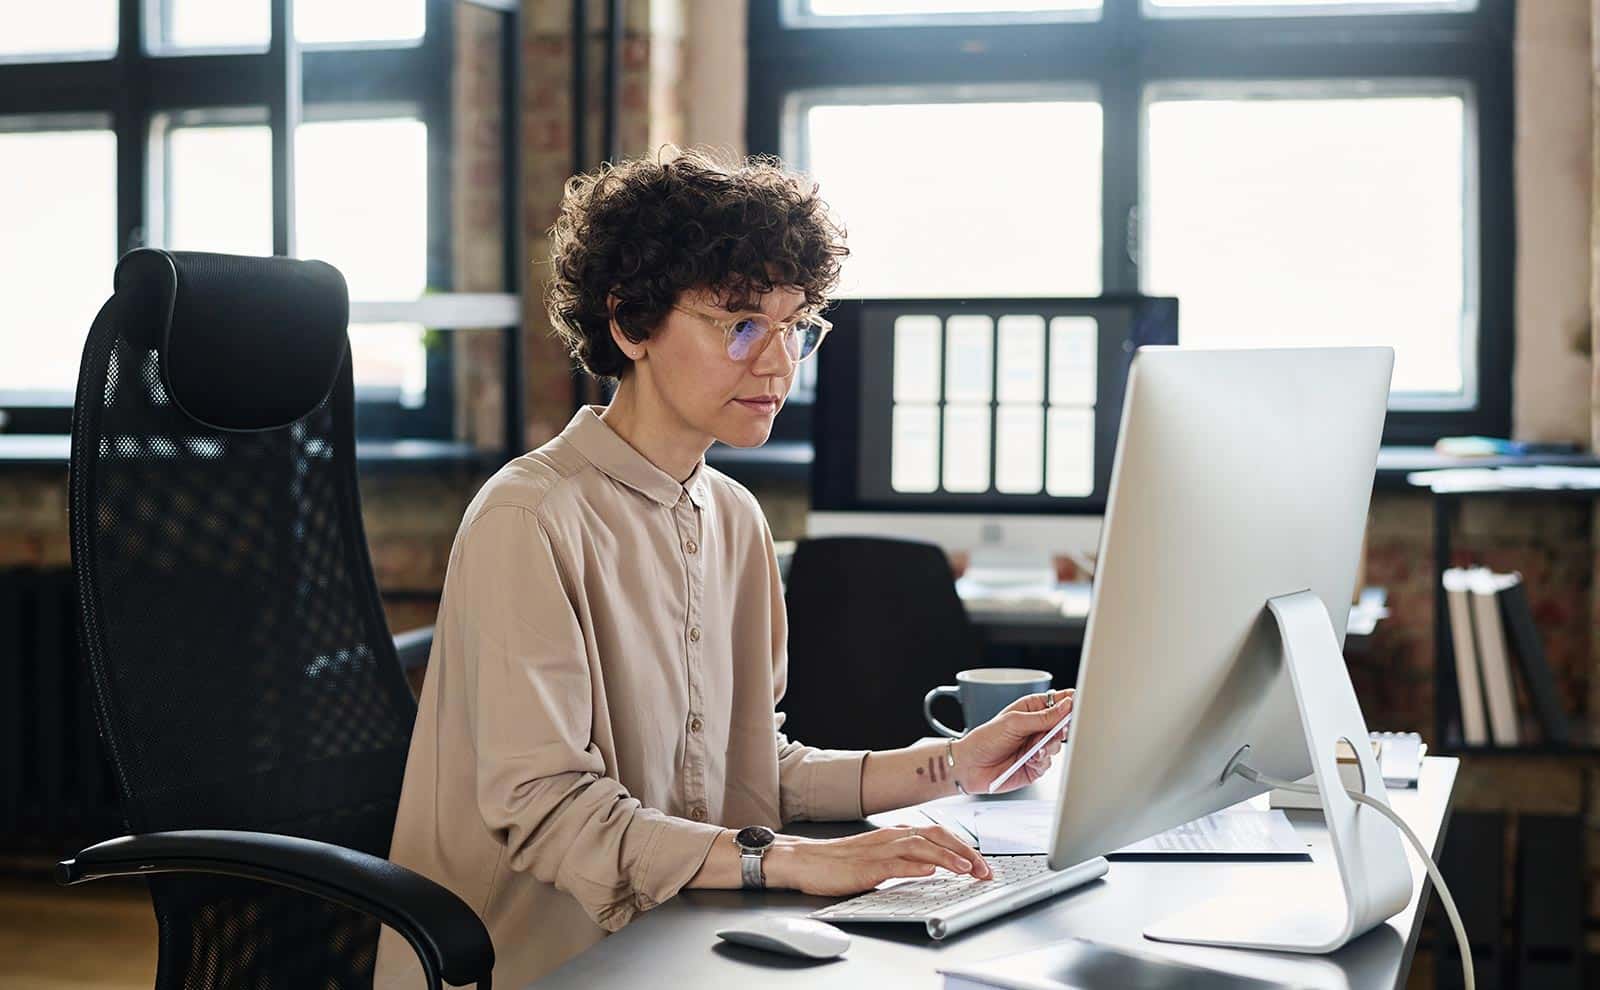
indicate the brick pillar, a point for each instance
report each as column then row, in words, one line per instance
column 1594, row 311
column 652, row 115
column 478, row 219
column 1594, row 214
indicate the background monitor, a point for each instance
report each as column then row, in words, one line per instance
column 982, row 425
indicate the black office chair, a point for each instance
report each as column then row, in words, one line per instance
column 245, row 684
column 874, row 624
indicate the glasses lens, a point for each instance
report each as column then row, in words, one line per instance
column 747, row 337
column 807, row 335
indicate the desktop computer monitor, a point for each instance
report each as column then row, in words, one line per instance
column 1240, row 477
column 985, row 426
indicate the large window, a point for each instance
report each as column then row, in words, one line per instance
column 1296, row 172
column 127, row 123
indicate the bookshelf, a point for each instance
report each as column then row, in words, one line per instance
column 1447, row 703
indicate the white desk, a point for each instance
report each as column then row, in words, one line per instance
column 675, row 945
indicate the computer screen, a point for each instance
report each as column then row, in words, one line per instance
column 976, row 405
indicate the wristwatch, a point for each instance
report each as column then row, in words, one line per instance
column 753, row 842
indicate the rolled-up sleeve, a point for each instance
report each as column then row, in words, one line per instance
column 542, row 787
column 815, row 785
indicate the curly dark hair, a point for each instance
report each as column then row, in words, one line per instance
column 646, row 230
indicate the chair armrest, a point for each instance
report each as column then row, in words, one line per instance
column 449, row 939
column 413, row 646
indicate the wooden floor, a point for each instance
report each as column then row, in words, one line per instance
column 98, row 936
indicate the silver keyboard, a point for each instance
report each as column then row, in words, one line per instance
column 948, row 903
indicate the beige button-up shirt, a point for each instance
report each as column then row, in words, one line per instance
column 600, row 701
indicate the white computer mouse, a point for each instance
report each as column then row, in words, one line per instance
column 789, row 935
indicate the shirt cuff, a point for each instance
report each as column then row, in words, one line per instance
column 674, row 854
column 833, row 793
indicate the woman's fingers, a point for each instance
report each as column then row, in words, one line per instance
column 915, row 847
column 1040, row 702
column 901, row 867
column 958, row 849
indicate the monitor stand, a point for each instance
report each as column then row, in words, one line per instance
column 1373, row 881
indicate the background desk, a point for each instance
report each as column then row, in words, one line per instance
column 1003, row 624
column 675, row 945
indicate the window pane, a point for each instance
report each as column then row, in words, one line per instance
column 218, row 189
column 58, row 247
column 1315, row 221
column 1074, row 346
column 966, row 448
column 914, row 455
column 916, row 359
column 58, row 27
column 318, row 22
column 248, row 23
column 968, row 355
column 872, row 8
column 209, row 24
column 389, row 362
column 996, row 198
column 1268, row 8
column 1019, row 457
column 1070, row 453
column 1021, row 359
column 361, row 203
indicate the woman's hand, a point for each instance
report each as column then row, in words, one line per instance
column 989, row 750
column 837, row 867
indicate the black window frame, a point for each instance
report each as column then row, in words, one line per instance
column 141, row 83
column 1126, row 49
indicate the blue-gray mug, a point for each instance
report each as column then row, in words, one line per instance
column 984, row 692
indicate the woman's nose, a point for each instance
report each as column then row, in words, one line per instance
column 775, row 359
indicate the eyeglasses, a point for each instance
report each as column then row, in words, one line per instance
column 746, row 336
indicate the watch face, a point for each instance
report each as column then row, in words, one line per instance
column 755, row 837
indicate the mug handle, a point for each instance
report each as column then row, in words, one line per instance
column 927, row 710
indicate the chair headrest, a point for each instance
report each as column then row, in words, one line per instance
column 245, row 343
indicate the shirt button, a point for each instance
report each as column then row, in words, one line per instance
column 694, row 634
column 695, row 724
column 698, row 814
column 691, row 546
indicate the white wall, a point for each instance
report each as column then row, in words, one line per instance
column 716, row 73
column 1553, row 178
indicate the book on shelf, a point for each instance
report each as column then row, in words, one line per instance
column 1494, row 639
column 1469, row 689
column 1499, row 694
column 1523, row 636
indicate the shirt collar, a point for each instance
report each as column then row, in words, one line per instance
column 615, row 457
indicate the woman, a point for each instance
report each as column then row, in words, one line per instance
column 599, row 719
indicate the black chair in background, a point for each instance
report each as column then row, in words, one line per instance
column 245, row 684
column 874, row 624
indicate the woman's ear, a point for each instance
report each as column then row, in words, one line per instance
column 634, row 350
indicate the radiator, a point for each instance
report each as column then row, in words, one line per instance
column 56, row 790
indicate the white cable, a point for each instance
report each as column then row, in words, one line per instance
column 1251, row 774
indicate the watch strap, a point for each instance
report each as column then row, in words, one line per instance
column 750, row 869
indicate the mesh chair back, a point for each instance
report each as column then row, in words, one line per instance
column 874, row 624
column 243, row 672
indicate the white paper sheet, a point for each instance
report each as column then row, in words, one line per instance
column 1021, row 827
